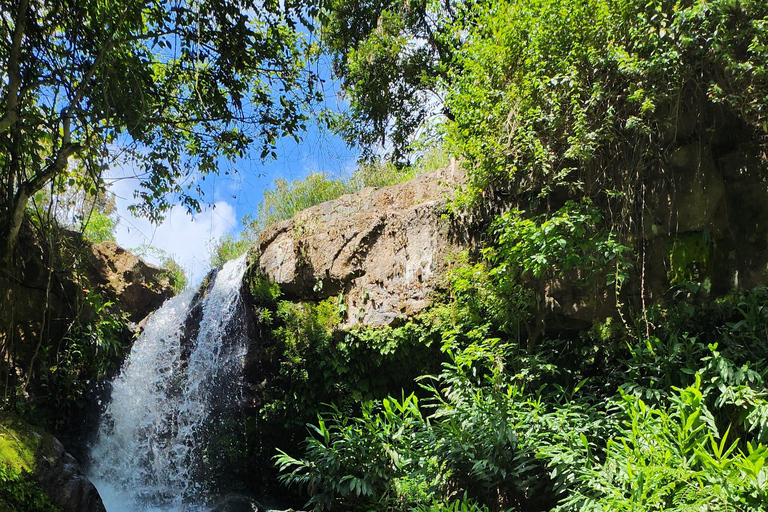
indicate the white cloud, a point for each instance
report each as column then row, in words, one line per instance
column 187, row 239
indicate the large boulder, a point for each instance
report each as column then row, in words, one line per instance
column 384, row 249
column 32, row 453
column 137, row 287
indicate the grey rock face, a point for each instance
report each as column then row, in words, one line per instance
column 384, row 249
column 63, row 480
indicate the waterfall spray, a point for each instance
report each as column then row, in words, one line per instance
column 180, row 377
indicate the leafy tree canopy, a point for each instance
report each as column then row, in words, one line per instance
column 168, row 87
column 393, row 59
column 551, row 88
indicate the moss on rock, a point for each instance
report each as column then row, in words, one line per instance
column 20, row 445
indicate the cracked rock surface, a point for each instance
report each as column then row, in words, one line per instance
column 384, row 248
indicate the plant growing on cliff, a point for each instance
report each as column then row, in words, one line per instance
column 552, row 99
column 508, row 429
column 477, row 432
column 528, row 255
column 89, row 351
column 20, row 493
column 175, row 273
column 320, row 364
column 582, row 422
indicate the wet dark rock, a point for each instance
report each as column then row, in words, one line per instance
column 44, row 458
column 63, row 480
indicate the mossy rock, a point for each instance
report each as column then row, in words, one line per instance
column 20, row 446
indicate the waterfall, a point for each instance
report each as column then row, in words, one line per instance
column 183, row 374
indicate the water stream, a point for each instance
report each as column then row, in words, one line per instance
column 183, row 374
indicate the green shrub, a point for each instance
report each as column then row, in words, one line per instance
column 90, row 349
column 19, row 493
column 321, row 365
column 175, row 273
column 672, row 460
column 543, row 429
column 364, row 462
column 481, row 438
column 100, row 227
column 230, row 246
column 528, row 252
column 314, row 367
column 459, row 505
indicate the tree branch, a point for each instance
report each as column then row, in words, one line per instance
column 28, row 188
column 58, row 164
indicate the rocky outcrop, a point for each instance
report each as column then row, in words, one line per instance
column 137, row 287
column 385, row 249
column 63, row 480
column 30, row 451
column 58, row 278
column 702, row 218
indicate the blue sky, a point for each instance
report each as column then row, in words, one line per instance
column 189, row 239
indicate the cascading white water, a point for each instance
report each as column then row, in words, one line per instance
column 148, row 452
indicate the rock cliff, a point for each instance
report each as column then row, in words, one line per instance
column 60, row 275
column 384, row 249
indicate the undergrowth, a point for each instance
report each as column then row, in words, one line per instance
column 668, row 415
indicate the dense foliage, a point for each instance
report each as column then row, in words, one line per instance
column 594, row 97
column 586, row 94
column 578, row 110
column 309, row 363
column 605, row 419
column 167, row 90
column 71, row 339
column 581, row 112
